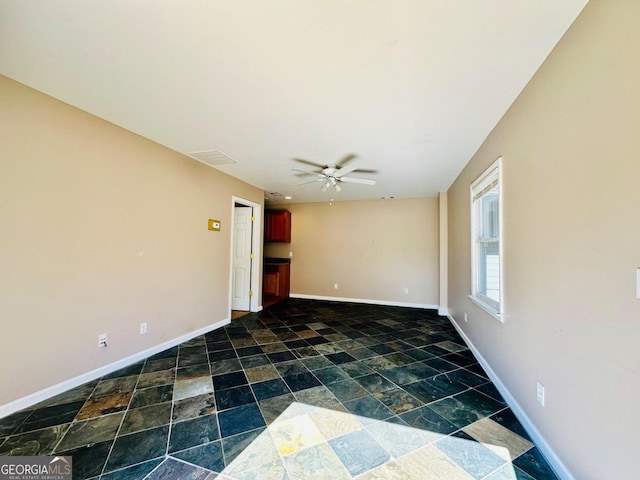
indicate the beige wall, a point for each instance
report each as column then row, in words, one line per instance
column 373, row 250
column 101, row 230
column 571, row 245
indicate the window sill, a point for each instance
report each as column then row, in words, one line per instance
column 488, row 308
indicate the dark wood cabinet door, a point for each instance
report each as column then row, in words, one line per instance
column 278, row 226
column 271, row 283
column 283, row 280
column 276, row 280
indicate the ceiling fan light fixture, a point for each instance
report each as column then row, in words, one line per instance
column 331, row 182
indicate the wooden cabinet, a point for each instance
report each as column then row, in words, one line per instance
column 271, row 280
column 276, row 280
column 277, row 226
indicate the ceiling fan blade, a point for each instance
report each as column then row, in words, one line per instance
column 307, row 172
column 363, row 181
column 345, row 170
column 342, row 163
column 307, row 162
column 310, row 181
column 345, row 160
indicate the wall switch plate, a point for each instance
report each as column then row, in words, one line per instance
column 406, row 291
column 540, row 393
column 335, row 286
column 143, row 328
column 102, row 340
column 290, row 254
column 638, row 283
column 465, row 317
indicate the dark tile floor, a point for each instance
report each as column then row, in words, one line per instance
column 304, row 389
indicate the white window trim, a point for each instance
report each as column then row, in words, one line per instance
column 484, row 180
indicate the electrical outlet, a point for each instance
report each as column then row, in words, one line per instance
column 102, row 340
column 290, row 254
column 143, row 328
column 540, row 393
column 335, row 286
column 465, row 317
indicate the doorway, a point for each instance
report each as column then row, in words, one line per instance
column 245, row 286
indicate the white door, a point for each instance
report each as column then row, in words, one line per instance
column 240, row 299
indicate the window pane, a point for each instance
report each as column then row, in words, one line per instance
column 490, row 214
column 489, row 270
column 486, row 199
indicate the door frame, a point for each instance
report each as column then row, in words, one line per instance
column 256, row 248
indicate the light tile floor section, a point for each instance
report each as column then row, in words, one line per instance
column 304, row 389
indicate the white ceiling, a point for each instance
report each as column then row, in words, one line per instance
column 411, row 87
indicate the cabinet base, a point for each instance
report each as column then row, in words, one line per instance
column 268, row 300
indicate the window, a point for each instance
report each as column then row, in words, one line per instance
column 486, row 233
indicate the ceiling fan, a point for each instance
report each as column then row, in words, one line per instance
column 333, row 174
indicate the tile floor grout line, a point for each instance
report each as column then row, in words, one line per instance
column 175, row 459
column 126, row 410
column 173, row 402
column 148, row 474
column 224, row 460
column 217, row 412
column 74, row 419
column 213, row 393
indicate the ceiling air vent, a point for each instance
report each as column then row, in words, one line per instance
column 212, row 158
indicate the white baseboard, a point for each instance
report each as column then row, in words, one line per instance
column 364, row 300
column 443, row 311
column 46, row 393
column 558, row 466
